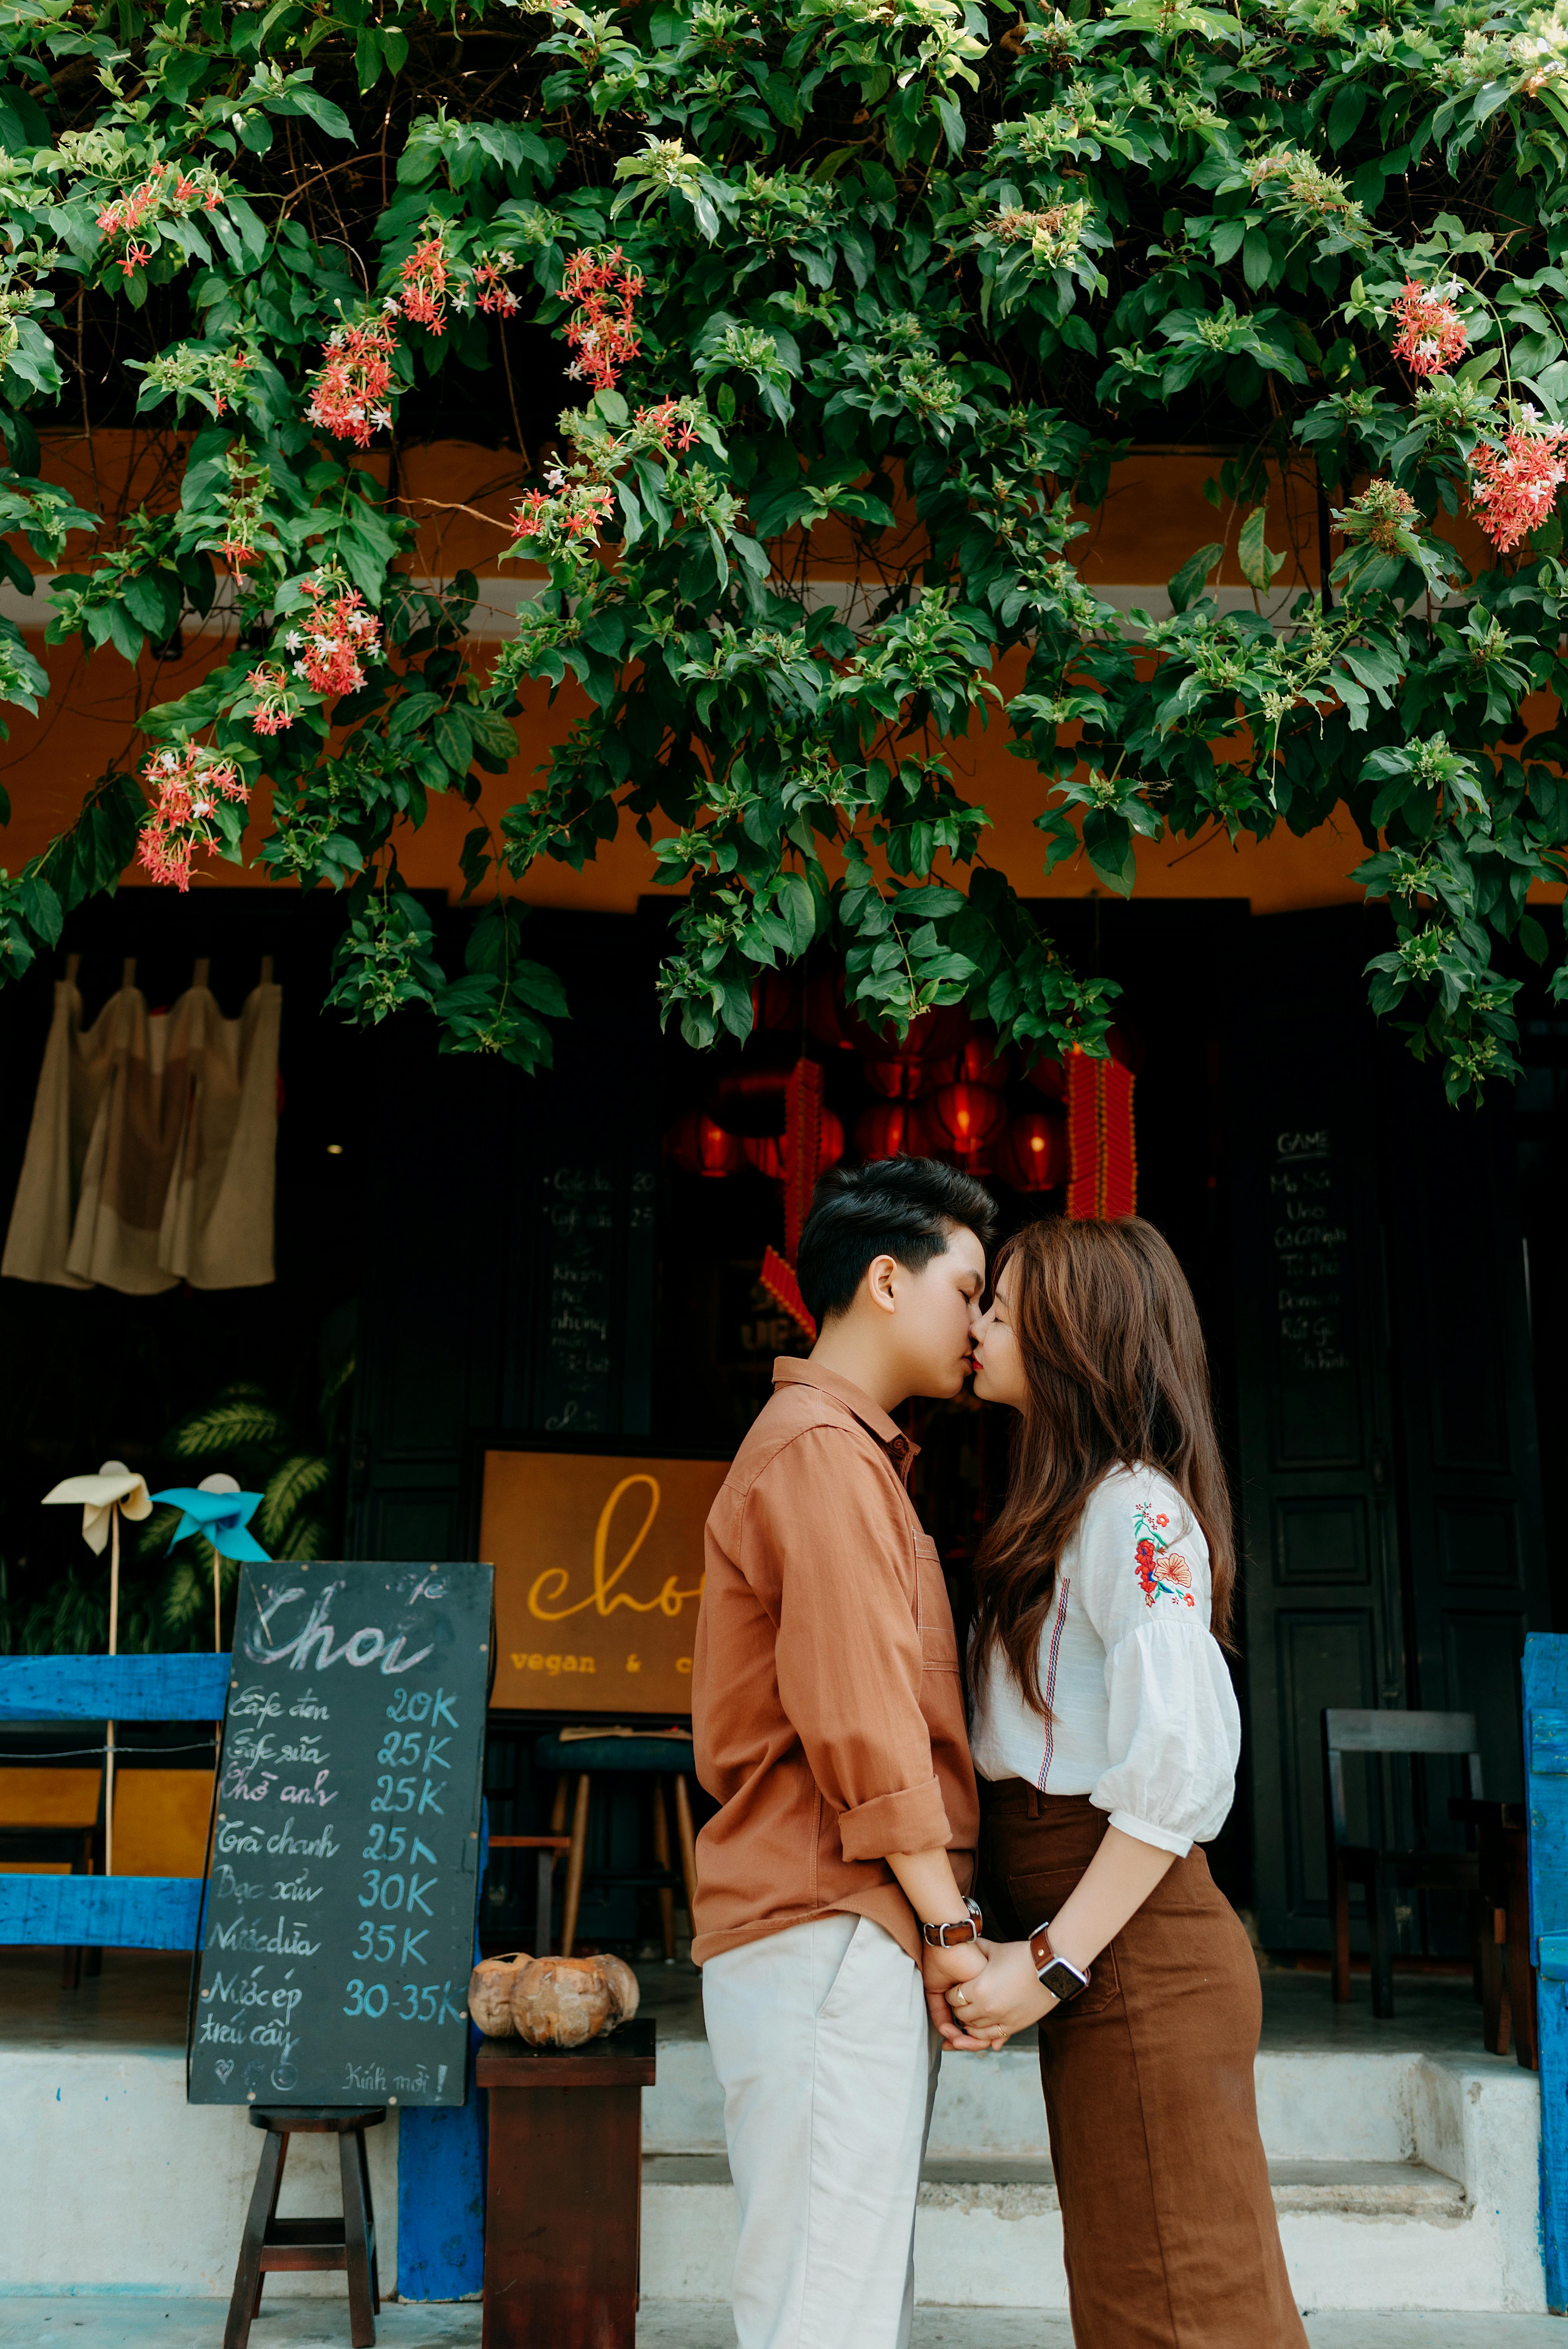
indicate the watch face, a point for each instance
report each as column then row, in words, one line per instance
column 1062, row 1981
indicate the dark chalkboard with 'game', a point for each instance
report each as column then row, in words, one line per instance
column 338, row 1925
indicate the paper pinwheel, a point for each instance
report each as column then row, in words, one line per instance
column 217, row 1509
column 114, row 1486
column 115, row 1492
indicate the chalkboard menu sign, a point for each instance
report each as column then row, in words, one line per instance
column 338, row 1924
column 598, row 1232
column 1318, row 1382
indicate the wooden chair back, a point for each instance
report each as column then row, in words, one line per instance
column 1355, row 1729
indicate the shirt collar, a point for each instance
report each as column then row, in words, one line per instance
column 789, row 1370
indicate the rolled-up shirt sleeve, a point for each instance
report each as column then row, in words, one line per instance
column 848, row 1652
column 1174, row 1730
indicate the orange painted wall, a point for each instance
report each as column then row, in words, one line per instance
column 459, row 494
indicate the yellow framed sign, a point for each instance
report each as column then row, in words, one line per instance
column 598, row 1560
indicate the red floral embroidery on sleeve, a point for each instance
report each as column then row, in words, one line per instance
column 1163, row 1572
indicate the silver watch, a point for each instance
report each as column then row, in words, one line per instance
column 1058, row 1975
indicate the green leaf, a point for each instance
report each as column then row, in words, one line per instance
column 1189, row 581
column 1258, row 565
column 322, row 112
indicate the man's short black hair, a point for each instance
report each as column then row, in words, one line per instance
column 901, row 1207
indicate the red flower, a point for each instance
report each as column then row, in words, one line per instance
column 424, row 295
column 188, row 785
column 1431, row 332
column 352, row 388
column 602, row 328
column 493, row 292
column 340, row 635
column 1513, row 489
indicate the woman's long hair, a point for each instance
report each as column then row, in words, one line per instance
column 1115, row 1373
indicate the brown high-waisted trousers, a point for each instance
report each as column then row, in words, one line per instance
column 1170, row 2232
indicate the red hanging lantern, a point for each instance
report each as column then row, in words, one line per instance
column 766, row 1153
column 1049, row 1077
column 749, row 1098
column 907, row 1080
column 699, row 1146
column 777, row 997
column 937, row 1034
column 769, row 1153
column 969, row 1118
column 982, row 1061
column 825, row 1014
column 1035, row 1156
column 893, row 1130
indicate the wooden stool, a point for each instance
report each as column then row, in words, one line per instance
column 655, row 1757
column 563, row 2189
column 270, row 2242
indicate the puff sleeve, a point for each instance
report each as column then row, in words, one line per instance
column 1173, row 1731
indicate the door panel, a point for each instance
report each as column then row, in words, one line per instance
column 1390, row 1493
column 1324, row 1658
column 1319, row 1542
column 1470, row 1471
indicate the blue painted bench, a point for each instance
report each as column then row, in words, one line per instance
column 440, row 2156
column 106, row 1912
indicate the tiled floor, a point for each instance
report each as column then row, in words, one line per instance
column 115, row 2322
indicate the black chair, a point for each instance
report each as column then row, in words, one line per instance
column 1379, row 1870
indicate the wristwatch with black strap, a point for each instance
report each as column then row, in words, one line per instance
column 948, row 1937
column 1057, row 1974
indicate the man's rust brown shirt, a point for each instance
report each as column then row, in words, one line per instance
column 827, row 1708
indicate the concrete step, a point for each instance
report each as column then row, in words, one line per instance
column 1358, row 2235
column 1023, row 2189
column 1401, row 2180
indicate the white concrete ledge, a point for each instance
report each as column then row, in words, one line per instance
column 111, row 2182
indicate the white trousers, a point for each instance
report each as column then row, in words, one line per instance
column 828, row 2062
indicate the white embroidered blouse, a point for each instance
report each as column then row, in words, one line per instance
column 1140, row 1714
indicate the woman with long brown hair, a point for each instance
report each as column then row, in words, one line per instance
column 1106, row 1737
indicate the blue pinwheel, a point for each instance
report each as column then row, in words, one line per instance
column 222, row 1513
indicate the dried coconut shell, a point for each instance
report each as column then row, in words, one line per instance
column 561, row 2001
column 489, row 1993
column 624, row 1988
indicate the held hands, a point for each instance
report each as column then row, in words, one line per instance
column 1002, row 1996
column 944, row 1970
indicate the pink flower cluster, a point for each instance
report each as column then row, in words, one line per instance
column 1431, row 332
column 342, row 635
column 601, row 329
column 188, row 784
column 350, row 393
column 667, row 422
column 167, row 188
column 1513, row 489
column 492, row 290
column 424, row 296
column 276, row 707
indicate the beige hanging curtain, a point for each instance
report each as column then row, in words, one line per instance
column 151, row 1154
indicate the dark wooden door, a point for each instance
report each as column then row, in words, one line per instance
column 1321, row 1609
column 1389, row 1485
column 1470, row 1471
column 511, row 1242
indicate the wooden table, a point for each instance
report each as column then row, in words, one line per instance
column 563, row 2190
